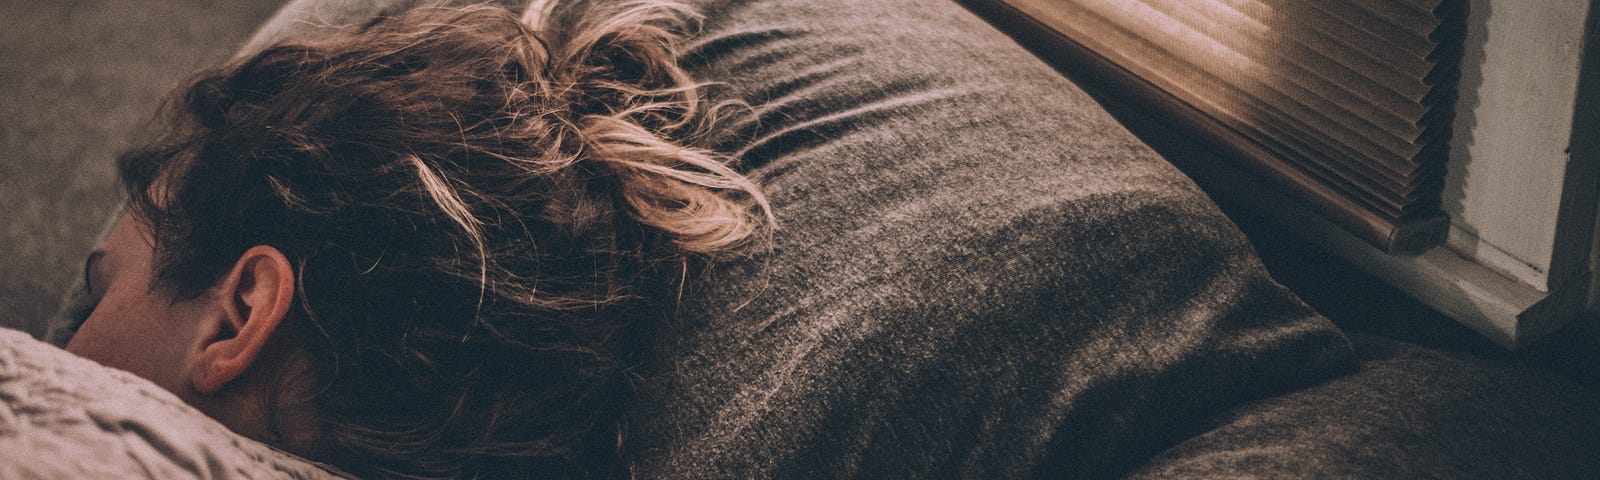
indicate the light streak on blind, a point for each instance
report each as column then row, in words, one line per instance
column 1346, row 103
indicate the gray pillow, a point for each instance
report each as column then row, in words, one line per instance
column 978, row 272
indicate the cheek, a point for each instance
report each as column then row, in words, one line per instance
column 134, row 336
column 108, row 336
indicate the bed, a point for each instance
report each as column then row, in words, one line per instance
column 978, row 274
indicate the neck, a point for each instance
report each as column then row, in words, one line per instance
column 270, row 406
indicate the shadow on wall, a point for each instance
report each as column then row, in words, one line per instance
column 1466, row 121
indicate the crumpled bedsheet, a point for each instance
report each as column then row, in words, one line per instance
column 68, row 417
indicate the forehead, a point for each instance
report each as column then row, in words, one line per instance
column 128, row 233
column 128, row 245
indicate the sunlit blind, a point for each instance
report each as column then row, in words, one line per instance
column 1345, row 103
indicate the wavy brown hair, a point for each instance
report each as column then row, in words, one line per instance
column 484, row 215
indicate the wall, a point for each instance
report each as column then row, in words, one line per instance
column 1514, row 123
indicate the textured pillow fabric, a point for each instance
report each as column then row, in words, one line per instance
column 67, row 417
column 978, row 272
column 1410, row 412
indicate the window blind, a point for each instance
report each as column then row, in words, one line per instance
column 1346, row 104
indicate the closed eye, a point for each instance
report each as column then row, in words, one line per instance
column 88, row 270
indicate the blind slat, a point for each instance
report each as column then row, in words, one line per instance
column 1318, row 116
column 1307, row 67
column 1410, row 38
column 1170, row 38
column 1215, row 96
column 1408, row 14
column 1358, row 40
column 1345, row 49
column 1345, row 102
column 1302, row 38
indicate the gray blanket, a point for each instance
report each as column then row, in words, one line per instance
column 1410, row 412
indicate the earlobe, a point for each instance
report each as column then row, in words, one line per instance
column 256, row 296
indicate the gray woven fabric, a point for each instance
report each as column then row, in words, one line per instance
column 978, row 274
column 1410, row 412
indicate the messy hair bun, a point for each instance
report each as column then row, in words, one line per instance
column 484, row 212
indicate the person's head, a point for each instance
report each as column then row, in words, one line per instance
column 424, row 247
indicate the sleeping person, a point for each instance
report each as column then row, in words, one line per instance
column 427, row 247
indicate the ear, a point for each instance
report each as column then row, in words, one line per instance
column 254, row 297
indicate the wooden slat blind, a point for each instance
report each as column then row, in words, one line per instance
column 1346, row 103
